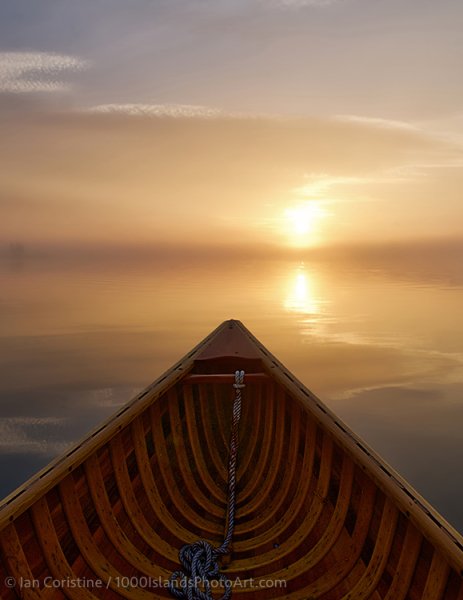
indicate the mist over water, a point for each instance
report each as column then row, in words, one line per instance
column 377, row 335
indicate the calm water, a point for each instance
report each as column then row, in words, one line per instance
column 381, row 344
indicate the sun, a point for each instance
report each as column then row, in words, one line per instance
column 301, row 222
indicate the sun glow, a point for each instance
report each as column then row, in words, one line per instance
column 302, row 221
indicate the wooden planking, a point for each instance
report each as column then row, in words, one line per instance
column 319, row 584
column 278, row 499
column 254, row 423
column 263, row 562
column 197, row 442
column 201, row 426
column 369, row 580
column 146, row 530
column 93, row 554
column 18, row 566
column 437, row 578
column 111, row 526
column 247, row 540
column 184, row 468
column 158, row 502
column 53, row 552
column 191, row 514
column 408, row 558
column 221, row 411
column 256, row 504
column 331, row 534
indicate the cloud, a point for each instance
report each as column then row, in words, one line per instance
column 25, row 72
column 159, row 110
column 378, row 122
column 178, row 111
column 323, row 186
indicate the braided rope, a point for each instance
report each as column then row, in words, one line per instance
column 199, row 560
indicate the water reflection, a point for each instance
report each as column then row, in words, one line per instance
column 302, row 298
column 77, row 340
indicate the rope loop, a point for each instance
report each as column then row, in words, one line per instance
column 199, row 568
column 239, row 380
column 199, row 560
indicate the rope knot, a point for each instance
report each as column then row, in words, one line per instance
column 200, row 568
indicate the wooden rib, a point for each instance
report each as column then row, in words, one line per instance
column 185, row 467
column 336, row 523
column 265, row 408
column 197, row 446
column 437, row 578
column 222, row 425
column 18, row 565
column 350, row 552
column 406, row 565
column 91, row 552
column 265, row 521
column 289, row 548
column 255, row 504
column 111, row 526
column 252, row 413
column 156, row 501
column 132, row 507
column 284, row 484
column 252, row 456
column 189, row 514
column 295, row 504
column 53, row 552
column 370, row 579
column 195, row 475
column 205, row 432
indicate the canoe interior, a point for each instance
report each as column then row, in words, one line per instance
column 313, row 518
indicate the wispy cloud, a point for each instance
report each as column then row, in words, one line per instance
column 175, row 110
column 322, row 186
column 22, row 72
column 160, row 110
column 378, row 122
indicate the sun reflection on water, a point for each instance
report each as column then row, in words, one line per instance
column 301, row 297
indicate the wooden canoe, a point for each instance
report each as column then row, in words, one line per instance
column 319, row 514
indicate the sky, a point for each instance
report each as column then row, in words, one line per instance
column 292, row 123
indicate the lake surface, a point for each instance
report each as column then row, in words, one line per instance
column 380, row 342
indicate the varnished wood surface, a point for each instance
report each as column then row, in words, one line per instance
column 319, row 514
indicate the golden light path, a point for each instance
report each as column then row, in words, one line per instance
column 301, row 297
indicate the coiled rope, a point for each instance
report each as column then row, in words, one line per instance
column 199, row 560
